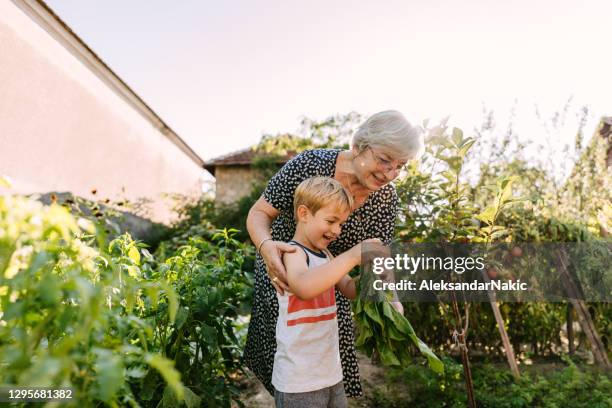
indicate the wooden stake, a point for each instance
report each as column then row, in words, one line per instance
column 460, row 336
column 582, row 312
column 508, row 349
column 570, row 329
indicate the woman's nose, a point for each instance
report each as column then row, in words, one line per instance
column 391, row 174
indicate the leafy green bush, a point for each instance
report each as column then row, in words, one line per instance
column 119, row 325
column 417, row 386
column 213, row 287
column 70, row 311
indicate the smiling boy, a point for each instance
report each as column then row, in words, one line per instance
column 307, row 370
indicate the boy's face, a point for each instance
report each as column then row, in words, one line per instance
column 324, row 226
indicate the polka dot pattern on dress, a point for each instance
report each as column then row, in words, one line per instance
column 374, row 219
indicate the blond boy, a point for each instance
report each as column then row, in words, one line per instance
column 307, row 370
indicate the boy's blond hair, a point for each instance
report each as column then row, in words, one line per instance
column 317, row 192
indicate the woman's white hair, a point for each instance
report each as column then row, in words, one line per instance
column 390, row 131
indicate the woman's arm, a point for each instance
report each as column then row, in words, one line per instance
column 258, row 224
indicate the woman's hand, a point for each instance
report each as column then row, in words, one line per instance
column 272, row 254
column 258, row 224
column 398, row 306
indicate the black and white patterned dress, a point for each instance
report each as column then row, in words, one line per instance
column 374, row 219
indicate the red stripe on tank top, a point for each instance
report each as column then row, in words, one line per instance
column 325, row 299
column 311, row 319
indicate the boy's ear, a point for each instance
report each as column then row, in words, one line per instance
column 302, row 213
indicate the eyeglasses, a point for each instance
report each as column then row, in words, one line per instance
column 385, row 164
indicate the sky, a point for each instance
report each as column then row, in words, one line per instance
column 222, row 73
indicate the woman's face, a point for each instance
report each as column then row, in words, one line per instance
column 376, row 168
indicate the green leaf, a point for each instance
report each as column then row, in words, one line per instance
column 133, row 271
column 153, row 293
column 173, row 302
column 166, row 368
column 450, row 176
column 372, row 313
column 134, row 255
column 467, row 144
column 400, row 322
column 405, row 327
column 365, row 333
column 387, row 357
column 394, row 333
column 434, row 362
column 109, row 374
column 181, row 317
column 487, row 216
column 457, row 136
column 50, row 290
column 387, row 311
column 192, row 400
column 147, row 255
column 149, row 385
column 357, row 306
column 209, row 334
column 169, row 399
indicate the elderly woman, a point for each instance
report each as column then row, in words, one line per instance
column 380, row 148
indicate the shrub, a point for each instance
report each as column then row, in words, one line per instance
column 119, row 325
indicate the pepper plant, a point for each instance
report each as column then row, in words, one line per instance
column 69, row 311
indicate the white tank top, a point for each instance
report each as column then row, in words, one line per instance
column 307, row 346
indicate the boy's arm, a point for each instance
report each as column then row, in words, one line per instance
column 308, row 283
column 347, row 287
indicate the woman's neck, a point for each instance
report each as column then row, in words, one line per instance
column 346, row 174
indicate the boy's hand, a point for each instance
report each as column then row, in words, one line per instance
column 372, row 241
column 358, row 250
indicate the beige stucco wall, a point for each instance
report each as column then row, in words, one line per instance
column 62, row 128
column 233, row 183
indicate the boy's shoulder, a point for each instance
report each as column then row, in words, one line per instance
column 300, row 254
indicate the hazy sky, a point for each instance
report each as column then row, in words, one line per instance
column 221, row 73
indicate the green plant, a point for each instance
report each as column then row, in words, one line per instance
column 118, row 324
column 384, row 329
column 494, row 387
column 211, row 281
column 69, row 311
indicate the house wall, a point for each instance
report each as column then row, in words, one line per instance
column 63, row 127
column 233, row 183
